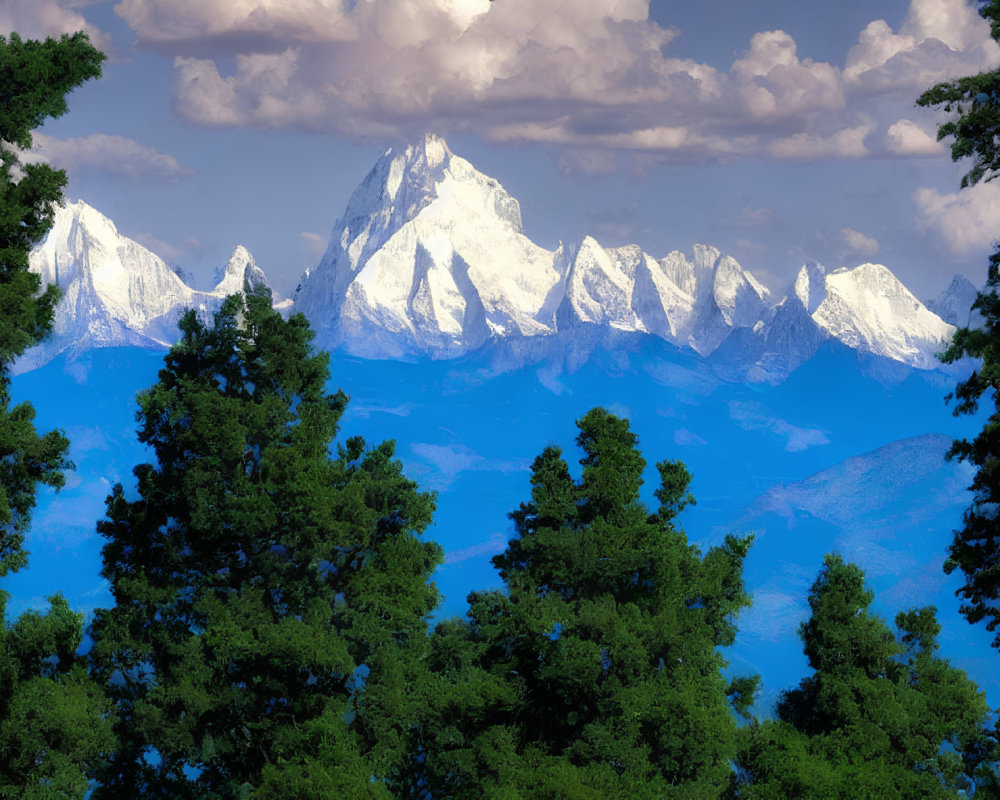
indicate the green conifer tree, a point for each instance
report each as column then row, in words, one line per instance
column 53, row 724
column 263, row 585
column 35, row 78
column 881, row 717
column 974, row 105
column 596, row 674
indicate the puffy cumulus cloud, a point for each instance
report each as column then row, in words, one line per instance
column 845, row 143
column 36, row 19
column 907, row 138
column 593, row 78
column 262, row 91
column 938, row 40
column 774, row 82
column 402, row 65
column 859, row 244
column 196, row 23
column 100, row 151
column 967, row 220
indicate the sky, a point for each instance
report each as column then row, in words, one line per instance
column 777, row 131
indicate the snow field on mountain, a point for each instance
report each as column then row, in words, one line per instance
column 430, row 260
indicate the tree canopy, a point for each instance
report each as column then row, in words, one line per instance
column 53, row 718
column 53, row 727
column 974, row 105
column 261, row 582
column 35, row 78
column 596, row 673
column 881, row 716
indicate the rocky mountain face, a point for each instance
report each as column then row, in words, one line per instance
column 865, row 308
column 430, row 259
column 115, row 292
column 954, row 304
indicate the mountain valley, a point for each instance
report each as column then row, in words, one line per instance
column 474, row 348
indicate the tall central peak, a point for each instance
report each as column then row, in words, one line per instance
column 432, row 150
column 429, row 253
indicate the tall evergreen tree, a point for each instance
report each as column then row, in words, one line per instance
column 596, row 674
column 974, row 105
column 881, row 716
column 35, row 78
column 262, row 584
column 53, row 724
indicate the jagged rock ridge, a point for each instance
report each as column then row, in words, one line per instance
column 115, row 292
column 430, row 259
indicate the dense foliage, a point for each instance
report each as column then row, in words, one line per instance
column 974, row 105
column 34, row 80
column 52, row 716
column 53, row 719
column 259, row 580
column 596, row 673
column 880, row 717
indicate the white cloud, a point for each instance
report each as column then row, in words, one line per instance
column 593, row 78
column 938, row 40
column 776, row 83
column 172, row 21
column 845, row 143
column 858, row 243
column 36, row 19
column 100, row 151
column 967, row 220
column 907, row 138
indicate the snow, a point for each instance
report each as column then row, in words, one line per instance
column 241, row 269
column 954, row 304
column 439, row 263
column 430, row 258
column 868, row 308
column 115, row 292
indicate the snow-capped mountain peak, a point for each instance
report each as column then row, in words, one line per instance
column 954, row 304
column 869, row 309
column 428, row 257
column 240, row 272
column 115, row 292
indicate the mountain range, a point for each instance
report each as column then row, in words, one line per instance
column 430, row 259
